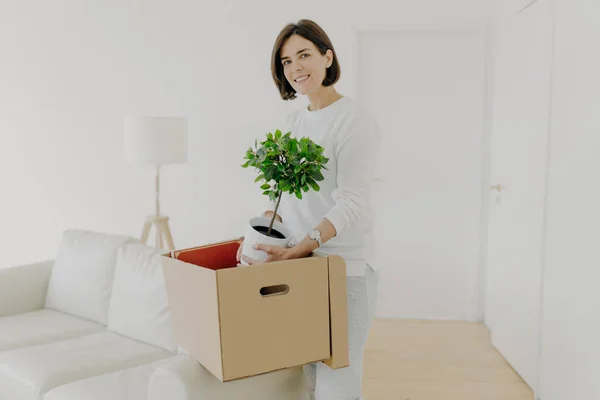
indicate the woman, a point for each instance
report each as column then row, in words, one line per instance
column 338, row 218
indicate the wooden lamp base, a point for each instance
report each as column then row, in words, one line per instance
column 163, row 232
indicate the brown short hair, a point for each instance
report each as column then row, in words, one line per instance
column 309, row 30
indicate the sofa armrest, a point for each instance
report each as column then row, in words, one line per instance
column 186, row 379
column 23, row 288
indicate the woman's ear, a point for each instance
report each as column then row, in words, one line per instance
column 329, row 58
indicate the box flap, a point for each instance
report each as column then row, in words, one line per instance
column 338, row 312
column 193, row 303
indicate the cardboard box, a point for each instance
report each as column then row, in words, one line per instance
column 241, row 322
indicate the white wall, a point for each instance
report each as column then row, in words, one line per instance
column 70, row 71
column 571, row 324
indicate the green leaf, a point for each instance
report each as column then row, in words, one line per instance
column 285, row 185
column 304, row 146
column 269, row 172
column 293, row 147
column 317, row 175
column 258, row 178
column 303, row 179
column 315, row 186
column 265, row 186
column 272, row 196
column 299, row 194
column 245, row 165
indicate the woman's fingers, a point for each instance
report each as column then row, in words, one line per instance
column 251, row 261
column 239, row 252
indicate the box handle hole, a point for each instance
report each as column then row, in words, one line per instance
column 276, row 290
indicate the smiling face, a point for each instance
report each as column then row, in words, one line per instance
column 304, row 66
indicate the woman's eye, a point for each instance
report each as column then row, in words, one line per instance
column 304, row 55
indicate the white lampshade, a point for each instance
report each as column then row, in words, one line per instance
column 156, row 140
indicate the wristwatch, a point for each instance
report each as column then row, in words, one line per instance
column 314, row 234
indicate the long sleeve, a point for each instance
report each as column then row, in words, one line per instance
column 356, row 153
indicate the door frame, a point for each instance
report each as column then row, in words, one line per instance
column 477, row 275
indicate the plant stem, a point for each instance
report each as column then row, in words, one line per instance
column 274, row 213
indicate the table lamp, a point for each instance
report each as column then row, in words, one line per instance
column 156, row 141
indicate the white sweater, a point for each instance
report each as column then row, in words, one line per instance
column 350, row 138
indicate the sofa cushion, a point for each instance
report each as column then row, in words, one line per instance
column 30, row 372
column 126, row 384
column 82, row 276
column 41, row 327
column 138, row 306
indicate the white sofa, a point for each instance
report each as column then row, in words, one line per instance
column 94, row 324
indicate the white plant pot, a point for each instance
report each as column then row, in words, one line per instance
column 253, row 237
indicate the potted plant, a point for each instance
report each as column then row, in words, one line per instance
column 285, row 165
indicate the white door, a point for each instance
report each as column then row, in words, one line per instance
column 519, row 144
column 426, row 91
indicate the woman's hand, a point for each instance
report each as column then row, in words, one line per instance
column 274, row 253
column 239, row 252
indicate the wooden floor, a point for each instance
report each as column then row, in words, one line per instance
column 433, row 360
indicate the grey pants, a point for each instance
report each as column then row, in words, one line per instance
column 325, row 383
